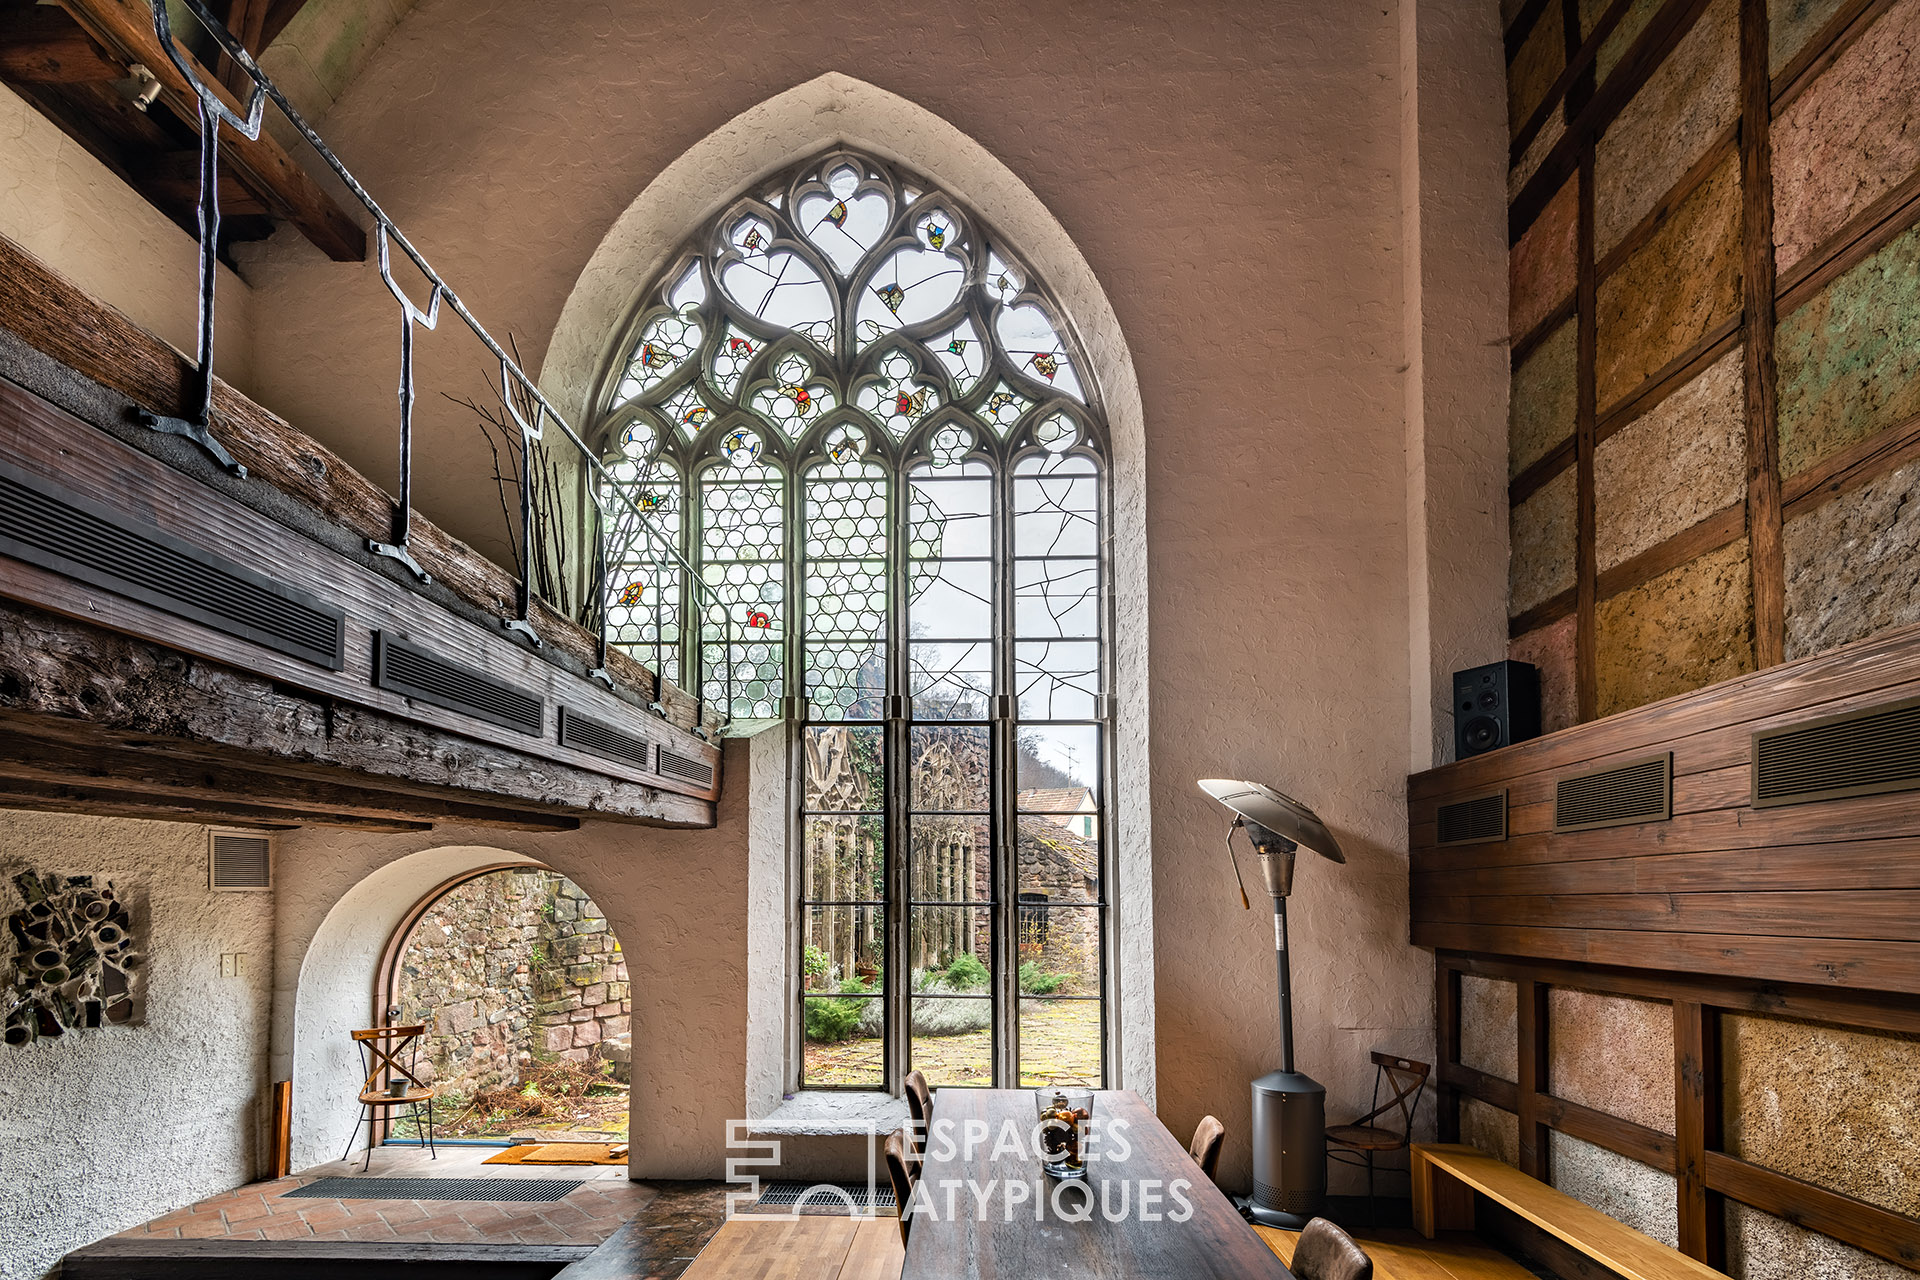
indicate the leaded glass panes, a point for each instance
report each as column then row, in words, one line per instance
column 859, row 417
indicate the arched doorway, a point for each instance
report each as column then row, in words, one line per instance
column 523, row 988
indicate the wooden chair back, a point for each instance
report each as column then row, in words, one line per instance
column 900, row 1174
column 1205, row 1147
column 1325, row 1252
column 1407, row 1079
column 920, row 1107
column 382, row 1048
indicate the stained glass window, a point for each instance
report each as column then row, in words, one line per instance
column 857, row 414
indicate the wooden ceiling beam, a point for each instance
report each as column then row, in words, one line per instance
column 42, row 44
column 125, row 28
column 178, row 780
column 247, row 20
column 279, row 14
column 56, row 797
column 171, row 179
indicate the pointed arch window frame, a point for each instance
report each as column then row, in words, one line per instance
column 659, row 387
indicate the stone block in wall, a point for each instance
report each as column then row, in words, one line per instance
column 585, row 975
column 586, row 1033
column 615, row 1025
column 1491, row 1129
column 1828, row 1105
column 1790, row 25
column 1763, row 1247
column 1685, row 629
column 1551, row 648
column 596, row 994
column 1639, row 1195
column 1541, row 537
column 1613, row 1054
column 1541, row 58
column 565, row 909
column 554, row 1039
column 1541, row 266
column 1852, row 567
column 590, row 926
column 1673, row 466
column 1850, row 137
column 1489, row 1026
column 1673, row 290
column 1665, row 129
column 1542, row 407
column 1849, row 358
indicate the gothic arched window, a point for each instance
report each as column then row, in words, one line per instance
column 860, row 418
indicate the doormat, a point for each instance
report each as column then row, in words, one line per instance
column 828, row 1198
column 561, row 1153
column 503, row 1190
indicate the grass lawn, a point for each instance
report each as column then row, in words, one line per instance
column 1059, row 1042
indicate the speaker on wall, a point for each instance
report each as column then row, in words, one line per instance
column 1495, row 706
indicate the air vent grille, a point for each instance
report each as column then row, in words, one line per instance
column 405, row 668
column 1476, row 821
column 239, row 860
column 586, row 734
column 47, row 525
column 1638, row 792
column 1860, row 754
column 675, row 765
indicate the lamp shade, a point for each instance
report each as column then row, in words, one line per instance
column 1280, row 814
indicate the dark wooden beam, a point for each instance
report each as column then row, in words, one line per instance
column 1531, row 1006
column 125, row 28
column 74, row 683
column 42, row 44
column 171, row 179
column 279, row 14
column 183, row 779
column 1890, row 1235
column 1696, row 1053
column 1766, row 541
column 246, row 19
column 104, row 802
column 1586, row 655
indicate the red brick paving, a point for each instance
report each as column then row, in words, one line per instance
column 588, row 1215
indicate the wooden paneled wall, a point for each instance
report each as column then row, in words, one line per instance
column 1798, row 911
column 1715, row 322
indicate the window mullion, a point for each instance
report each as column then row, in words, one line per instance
column 1005, row 756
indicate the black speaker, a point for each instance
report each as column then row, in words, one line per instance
column 1495, row 706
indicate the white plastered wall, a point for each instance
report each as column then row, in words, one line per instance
column 102, row 1130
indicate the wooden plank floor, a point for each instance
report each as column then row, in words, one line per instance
column 1400, row 1254
column 804, row 1248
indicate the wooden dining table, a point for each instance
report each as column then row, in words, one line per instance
column 1139, row 1225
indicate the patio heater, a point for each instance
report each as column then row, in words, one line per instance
column 1289, row 1106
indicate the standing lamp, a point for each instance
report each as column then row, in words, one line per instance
column 1289, row 1107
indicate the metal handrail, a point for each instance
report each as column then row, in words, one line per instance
column 606, row 491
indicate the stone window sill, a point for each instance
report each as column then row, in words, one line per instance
column 829, row 1114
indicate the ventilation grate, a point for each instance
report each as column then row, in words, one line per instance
column 496, row 1190
column 583, row 733
column 675, row 765
column 239, row 860
column 1637, row 792
column 1476, row 821
column 825, row 1197
column 47, row 525
column 405, row 668
column 1863, row 753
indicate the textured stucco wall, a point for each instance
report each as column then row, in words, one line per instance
column 1763, row 1247
column 1624, row 1189
column 179, row 1100
column 1613, row 1054
column 1223, row 231
column 1689, row 627
column 1491, row 1129
column 1851, row 570
column 1489, row 1035
column 71, row 212
column 1827, row 1105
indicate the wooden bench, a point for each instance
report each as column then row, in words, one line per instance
column 1446, row 1176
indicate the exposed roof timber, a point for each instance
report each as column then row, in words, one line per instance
column 49, row 768
column 53, row 797
column 247, row 20
column 279, row 14
column 123, row 28
column 41, row 44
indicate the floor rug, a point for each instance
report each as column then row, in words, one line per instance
column 561, row 1153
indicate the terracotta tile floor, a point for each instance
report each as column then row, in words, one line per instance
column 603, row 1201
